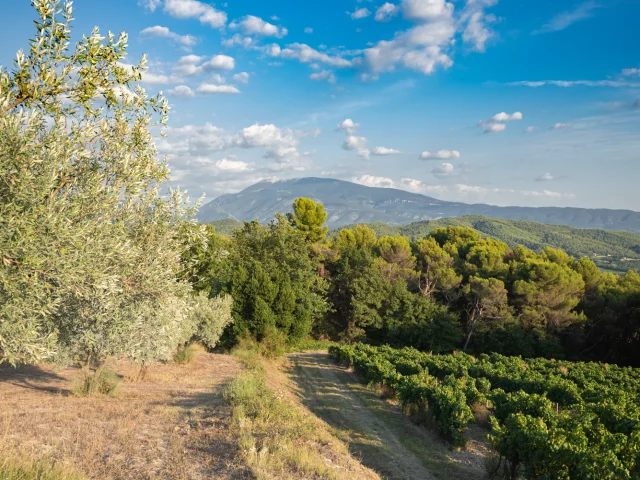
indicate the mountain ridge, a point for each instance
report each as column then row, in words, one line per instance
column 348, row 203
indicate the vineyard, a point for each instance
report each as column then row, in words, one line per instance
column 550, row 419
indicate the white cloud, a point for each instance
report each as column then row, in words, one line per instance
column 238, row 39
column 568, row 18
column 386, row 12
column 505, row 117
column 191, row 64
column 150, row 5
column 308, row 30
column 212, row 89
column 327, row 75
column 426, row 9
column 575, row 83
column 252, row 25
column 205, row 13
column 164, row 32
column 231, row 165
column 445, row 170
column 153, row 78
column 360, row 13
column 373, row 181
column 497, row 123
column 352, row 142
column 440, row 155
column 383, row 151
column 545, row 177
column 492, row 127
column 471, row 193
column 559, row 126
column 631, row 72
column 192, row 146
column 242, row 77
column 347, row 125
column 219, row 62
column 305, row 54
column 477, row 32
column 182, row 91
column 530, row 129
column 419, row 48
column 359, row 144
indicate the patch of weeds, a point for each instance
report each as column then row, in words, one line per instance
column 277, row 439
column 20, row 468
column 187, row 353
column 102, row 382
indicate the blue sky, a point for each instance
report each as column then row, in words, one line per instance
column 507, row 102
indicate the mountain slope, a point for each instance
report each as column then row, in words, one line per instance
column 348, row 203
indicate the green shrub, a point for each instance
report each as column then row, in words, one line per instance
column 101, row 382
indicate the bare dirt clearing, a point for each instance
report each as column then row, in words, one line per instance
column 172, row 425
column 375, row 429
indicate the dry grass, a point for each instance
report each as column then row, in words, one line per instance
column 279, row 438
column 171, row 425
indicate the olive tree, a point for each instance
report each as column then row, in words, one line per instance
column 89, row 246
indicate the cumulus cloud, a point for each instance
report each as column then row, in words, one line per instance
column 560, row 126
column 529, row 129
column 360, row 13
column 205, row 13
column 505, row 117
column 158, row 31
column 324, row 75
column 308, row 30
column 352, row 142
column 386, row 12
column 373, row 181
column 238, row 40
column 566, row 19
column 213, row 89
column 445, row 170
column 631, row 72
column 384, row 151
column 347, row 125
column 232, row 165
column 497, row 123
column 194, row 145
column 192, row 65
column 305, row 54
column 545, row 177
column 242, row 77
column 358, row 144
column 252, row 25
column 440, row 155
column 181, row 91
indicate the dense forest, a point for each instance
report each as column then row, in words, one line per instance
column 438, row 289
column 614, row 251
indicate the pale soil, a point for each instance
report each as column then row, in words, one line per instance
column 173, row 424
column 375, row 429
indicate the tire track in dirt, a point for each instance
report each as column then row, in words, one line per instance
column 375, row 430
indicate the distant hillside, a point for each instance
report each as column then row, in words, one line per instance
column 610, row 250
column 226, row 226
column 348, row 203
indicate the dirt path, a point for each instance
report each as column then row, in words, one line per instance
column 375, row 429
